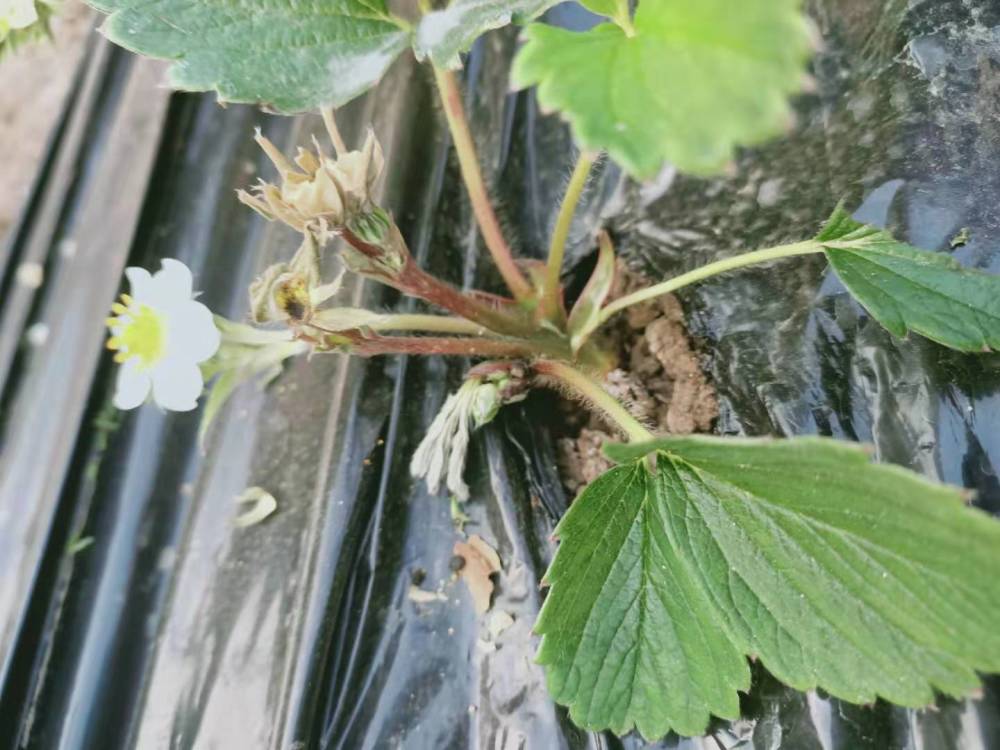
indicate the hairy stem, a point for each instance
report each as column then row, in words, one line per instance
column 489, row 225
column 429, row 323
column 550, row 307
column 369, row 346
column 416, row 282
column 593, row 393
column 391, row 263
column 699, row 274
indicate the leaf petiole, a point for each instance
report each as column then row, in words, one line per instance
column 582, row 385
column 766, row 255
column 557, row 246
column 489, row 225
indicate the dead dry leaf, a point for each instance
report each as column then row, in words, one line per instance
column 481, row 562
column 262, row 504
column 423, row 596
column 497, row 622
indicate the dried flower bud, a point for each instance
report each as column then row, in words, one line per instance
column 290, row 290
column 356, row 174
column 318, row 194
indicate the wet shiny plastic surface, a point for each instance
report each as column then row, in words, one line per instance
column 176, row 629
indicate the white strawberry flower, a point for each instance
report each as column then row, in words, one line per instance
column 17, row 14
column 160, row 335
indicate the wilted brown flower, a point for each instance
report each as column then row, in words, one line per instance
column 285, row 288
column 322, row 194
column 292, row 293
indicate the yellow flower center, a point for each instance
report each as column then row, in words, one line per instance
column 141, row 332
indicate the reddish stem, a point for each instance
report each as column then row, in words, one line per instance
column 369, row 346
column 411, row 279
column 415, row 281
column 489, row 225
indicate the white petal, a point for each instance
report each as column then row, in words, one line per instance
column 140, row 283
column 170, row 286
column 174, row 278
column 177, row 384
column 192, row 332
column 20, row 14
column 132, row 385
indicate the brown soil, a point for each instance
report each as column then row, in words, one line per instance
column 660, row 380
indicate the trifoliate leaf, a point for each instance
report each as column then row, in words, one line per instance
column 292, row 56
column 861, row 579
column 906, row 289
column 444, row 34
column 694, row 80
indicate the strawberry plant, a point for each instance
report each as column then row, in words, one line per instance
column 693, row 554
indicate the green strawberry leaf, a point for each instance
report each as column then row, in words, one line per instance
column 288, row 55
column 630, row 639
column 444, row 34
column 694, row 80
column 864, row 580
column 607, row 8
column 616, row 10
column 906, row 289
